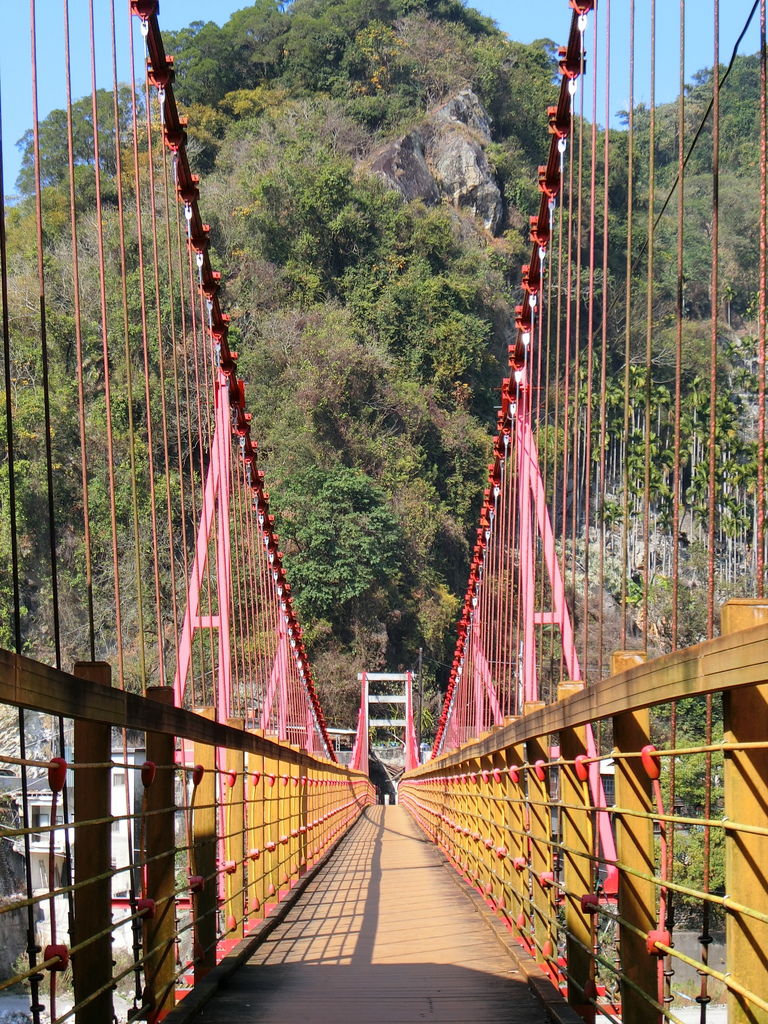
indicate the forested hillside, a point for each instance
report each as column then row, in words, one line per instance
column 372, row 318
column 373, row 328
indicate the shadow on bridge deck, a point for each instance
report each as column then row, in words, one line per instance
column 381, row 935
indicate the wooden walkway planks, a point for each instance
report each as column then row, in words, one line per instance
column 381, row 936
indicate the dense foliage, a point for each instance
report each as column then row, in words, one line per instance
column 373, row 331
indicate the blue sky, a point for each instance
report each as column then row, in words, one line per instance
column 526, row 22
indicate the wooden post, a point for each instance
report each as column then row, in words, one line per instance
column 476, row 847
column 204, row 841
column 500, row 837
column 745, row 713
column 92, row 966
column 518, row 839
column 578, row 842
column 542, row 865
column 325, row 806
column 283, row 827
column 234, row 842
column 271, row 830
column 255, row 863
column 303, row 770
column 160, row 850
column 635, row 851
column 314, row 811
column 462, row 788
column 482, row 825
column 294, row 819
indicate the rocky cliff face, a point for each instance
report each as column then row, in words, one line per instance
column 41, row 734
column 445, row 159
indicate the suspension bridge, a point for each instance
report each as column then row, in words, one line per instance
column 587, row 839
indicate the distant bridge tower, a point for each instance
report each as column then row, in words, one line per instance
column 386, row 722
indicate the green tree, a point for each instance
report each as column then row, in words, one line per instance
column 52, row 132
column 342, row 540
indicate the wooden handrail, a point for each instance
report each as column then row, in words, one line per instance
column 725, row 663
column 35, row 686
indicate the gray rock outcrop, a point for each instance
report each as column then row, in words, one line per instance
column 465, row 108
column 404, row 167
column 463, row 173
column 445, row 159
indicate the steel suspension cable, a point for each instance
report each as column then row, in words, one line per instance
column 628, row 328
column 587, row 404
column 133, row 474
column 164, row 428
column 761, row 307
column 600, row 511
column 149, row 426
column 79, row 343
column 31, row 945
column 649, row 328
column 47, row 426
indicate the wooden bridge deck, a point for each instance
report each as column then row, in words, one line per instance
column 381, row 936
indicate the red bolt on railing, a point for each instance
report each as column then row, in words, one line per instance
column 57, row 777
column 148, row 773
column 658, row 935
column 145, row 907
column 57, row 953
column 650, row 760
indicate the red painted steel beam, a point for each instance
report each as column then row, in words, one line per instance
column 161, row 73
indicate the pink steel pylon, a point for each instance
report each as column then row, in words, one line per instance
column 278, row 687
column 411, row 744
column 535, row 523
column 216, row 504
column 483, row 681
column 359, row 758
